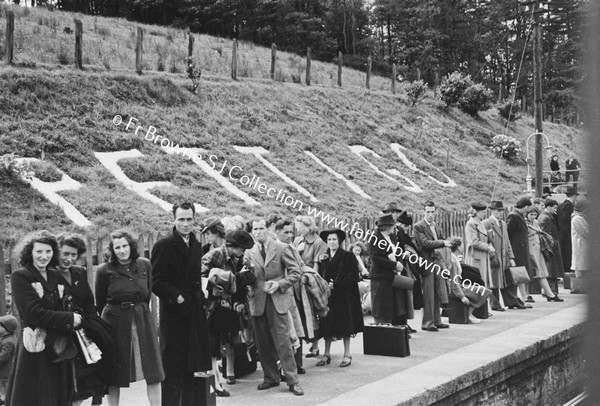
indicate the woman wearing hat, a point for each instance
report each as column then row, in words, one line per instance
column 123, row 290
column 222, row 266
column 37, row 293
column 388, row 303
column 535, row 234
column 344, row 319
column 214, row 233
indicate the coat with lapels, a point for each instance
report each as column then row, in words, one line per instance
column 51, row 385
column 477, row 248
column 279, row 266
column 498, row 237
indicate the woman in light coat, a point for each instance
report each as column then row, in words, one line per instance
column 580, row 234
column 478, row 246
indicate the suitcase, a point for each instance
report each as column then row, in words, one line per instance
column 578, row 285
column 458, row 312
column 567, row 279
column 244, row 360
column 386, row 340
column 482, row 312
column 204, row 392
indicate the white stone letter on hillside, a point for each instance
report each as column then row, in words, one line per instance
column 353, row 186
column 110, row 161
column 258, row 152
column 49, row 189
column 359, row 149
column 398, row 149
column 222, row 180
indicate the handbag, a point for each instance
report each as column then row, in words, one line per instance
column 516, row 275
column 403, row 282
column 224, row 320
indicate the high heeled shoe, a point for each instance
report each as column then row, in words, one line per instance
column 222, row 393
column 346, row 363
column 312, row 354
column 326, row 360
column 554, row 298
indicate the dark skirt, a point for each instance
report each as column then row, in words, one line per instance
column 345, row 317
column 387, row 302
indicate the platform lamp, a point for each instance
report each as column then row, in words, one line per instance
column 530, row 191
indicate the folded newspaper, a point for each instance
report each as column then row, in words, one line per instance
column 90, row 350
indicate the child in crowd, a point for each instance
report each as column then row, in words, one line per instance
column 8, row 343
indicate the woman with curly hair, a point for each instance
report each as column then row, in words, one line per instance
column 123, row 290
column 362, row 257
column 37, row 293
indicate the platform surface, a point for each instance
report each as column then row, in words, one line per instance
column 435, row 358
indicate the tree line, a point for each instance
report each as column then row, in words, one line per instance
column 482, row 38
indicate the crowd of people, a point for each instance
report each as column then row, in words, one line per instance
column 253, row 283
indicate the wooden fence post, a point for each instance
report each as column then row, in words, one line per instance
column 308, row 66
column 234, row 60
column 340, row 64
column 10, row 30
column 393, row 78
column 436, row 84
column 78, row 44
column 418, row 73
column 369, row 64
column 191, row 45
column 273, row 60
column 3, row 281
column 139, row 51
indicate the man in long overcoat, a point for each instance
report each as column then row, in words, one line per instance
column 549, row 224
column 176, row 270
column 504, row 258
column 564, row 211
column 516, row 226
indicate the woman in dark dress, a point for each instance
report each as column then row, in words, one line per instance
column 123, row 290
column 92, row 379
column 344, row 319
column 37, row 293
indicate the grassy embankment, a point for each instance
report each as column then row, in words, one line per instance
column 68, row 114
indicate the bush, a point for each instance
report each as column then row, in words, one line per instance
column 13, row 169
column 506, row 113
column 416, row 92
column 453, row 87
column 475, row 98
column 45, row 171
column 505, row 146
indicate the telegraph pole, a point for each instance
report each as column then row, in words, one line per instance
column 537, row 98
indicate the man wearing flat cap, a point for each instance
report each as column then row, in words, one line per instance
column 564, row 212
column 176, row 278
column 228, row 261
column 270, row 298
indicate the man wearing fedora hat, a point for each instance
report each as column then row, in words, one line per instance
column 564, row 212
column 504, row 257
column 391, row 207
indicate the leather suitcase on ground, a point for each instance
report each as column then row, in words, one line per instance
column 458, row 312
column 578, row 285
column 244, row 361
column 567, row 279
column 388, row 340
column 204, row 392
column 482, row 312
